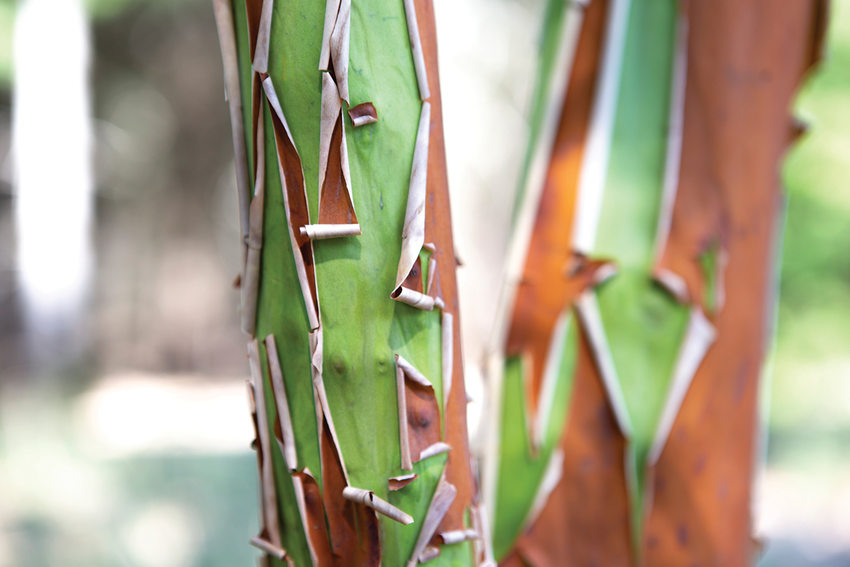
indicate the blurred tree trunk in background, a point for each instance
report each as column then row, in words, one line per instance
column 349, row 292
column 641, row 283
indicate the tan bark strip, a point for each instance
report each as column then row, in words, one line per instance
column 588, row 310
column 230, row 61
column 362, row 114
column 336, row 202
column 295, row 204
column 413, row 234
column 551, row 370
column 598, row 144
column 741, row 82
column 419, row 414
column 551, row 477
column 368, row 498
column 260, row 61
column 412, row 372
column 312, row 513
column 458, row 536
column 275, row 551
column 269, row 491
column 430, row 552
column 251, row 277
column 432, row 274
column 443, row 497
column 331, row 11
column 400, row 481
column 674, row 133
column 447, row 347
column 404, row 435
column 281, row 403
column 339, row 42
column 482, row 546
column 699, row 336
column 416, row 49
column 432, row 450
column 417, row 299
column 254, row 10
column 324, row 231
column 331, row 109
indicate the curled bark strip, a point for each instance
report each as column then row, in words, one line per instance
column 416, row 299
column 482, row 546
column 323, row 231
column 442, row 499
column 331, row 11
column 362, row 114
column 419, row 413
column 699, row 336
column 404, row 435
column 268, row 490
column 416, row 49
column 336, row 202
column 400, row 481
column 287, row 437
column 275, row 551
column 458, row 536
column 551, row 477
column 230, row 61
column 412, row 372
column 434, row 449
column 254, row 10
column 250, row 284
column 413, row 234
column 295, row 204
column 368, row 498
column 260, row 61
column 448, row 355
column 432, row 273
column 430, row 552
column 339, row 42
column 311, row 510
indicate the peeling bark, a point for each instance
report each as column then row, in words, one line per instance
column 741, row 80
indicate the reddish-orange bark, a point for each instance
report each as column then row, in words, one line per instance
column 745, row 62
column 552, row 276
column 438, row 230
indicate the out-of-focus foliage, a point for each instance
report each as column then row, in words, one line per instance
column 812, row 363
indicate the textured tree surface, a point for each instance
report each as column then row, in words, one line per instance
column 349, row 291
column 641, row 284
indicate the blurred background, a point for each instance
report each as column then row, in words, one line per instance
column 124, row 429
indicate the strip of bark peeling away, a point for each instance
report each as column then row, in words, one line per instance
column 323, row 231
column 368, row 498
column 362, row 114
column 417, row 299
column 273, row 550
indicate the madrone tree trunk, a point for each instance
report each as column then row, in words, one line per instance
column 639, row 300
column 349, row 296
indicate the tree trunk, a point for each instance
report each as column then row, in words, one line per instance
column 641, row 282
column 349, row 292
